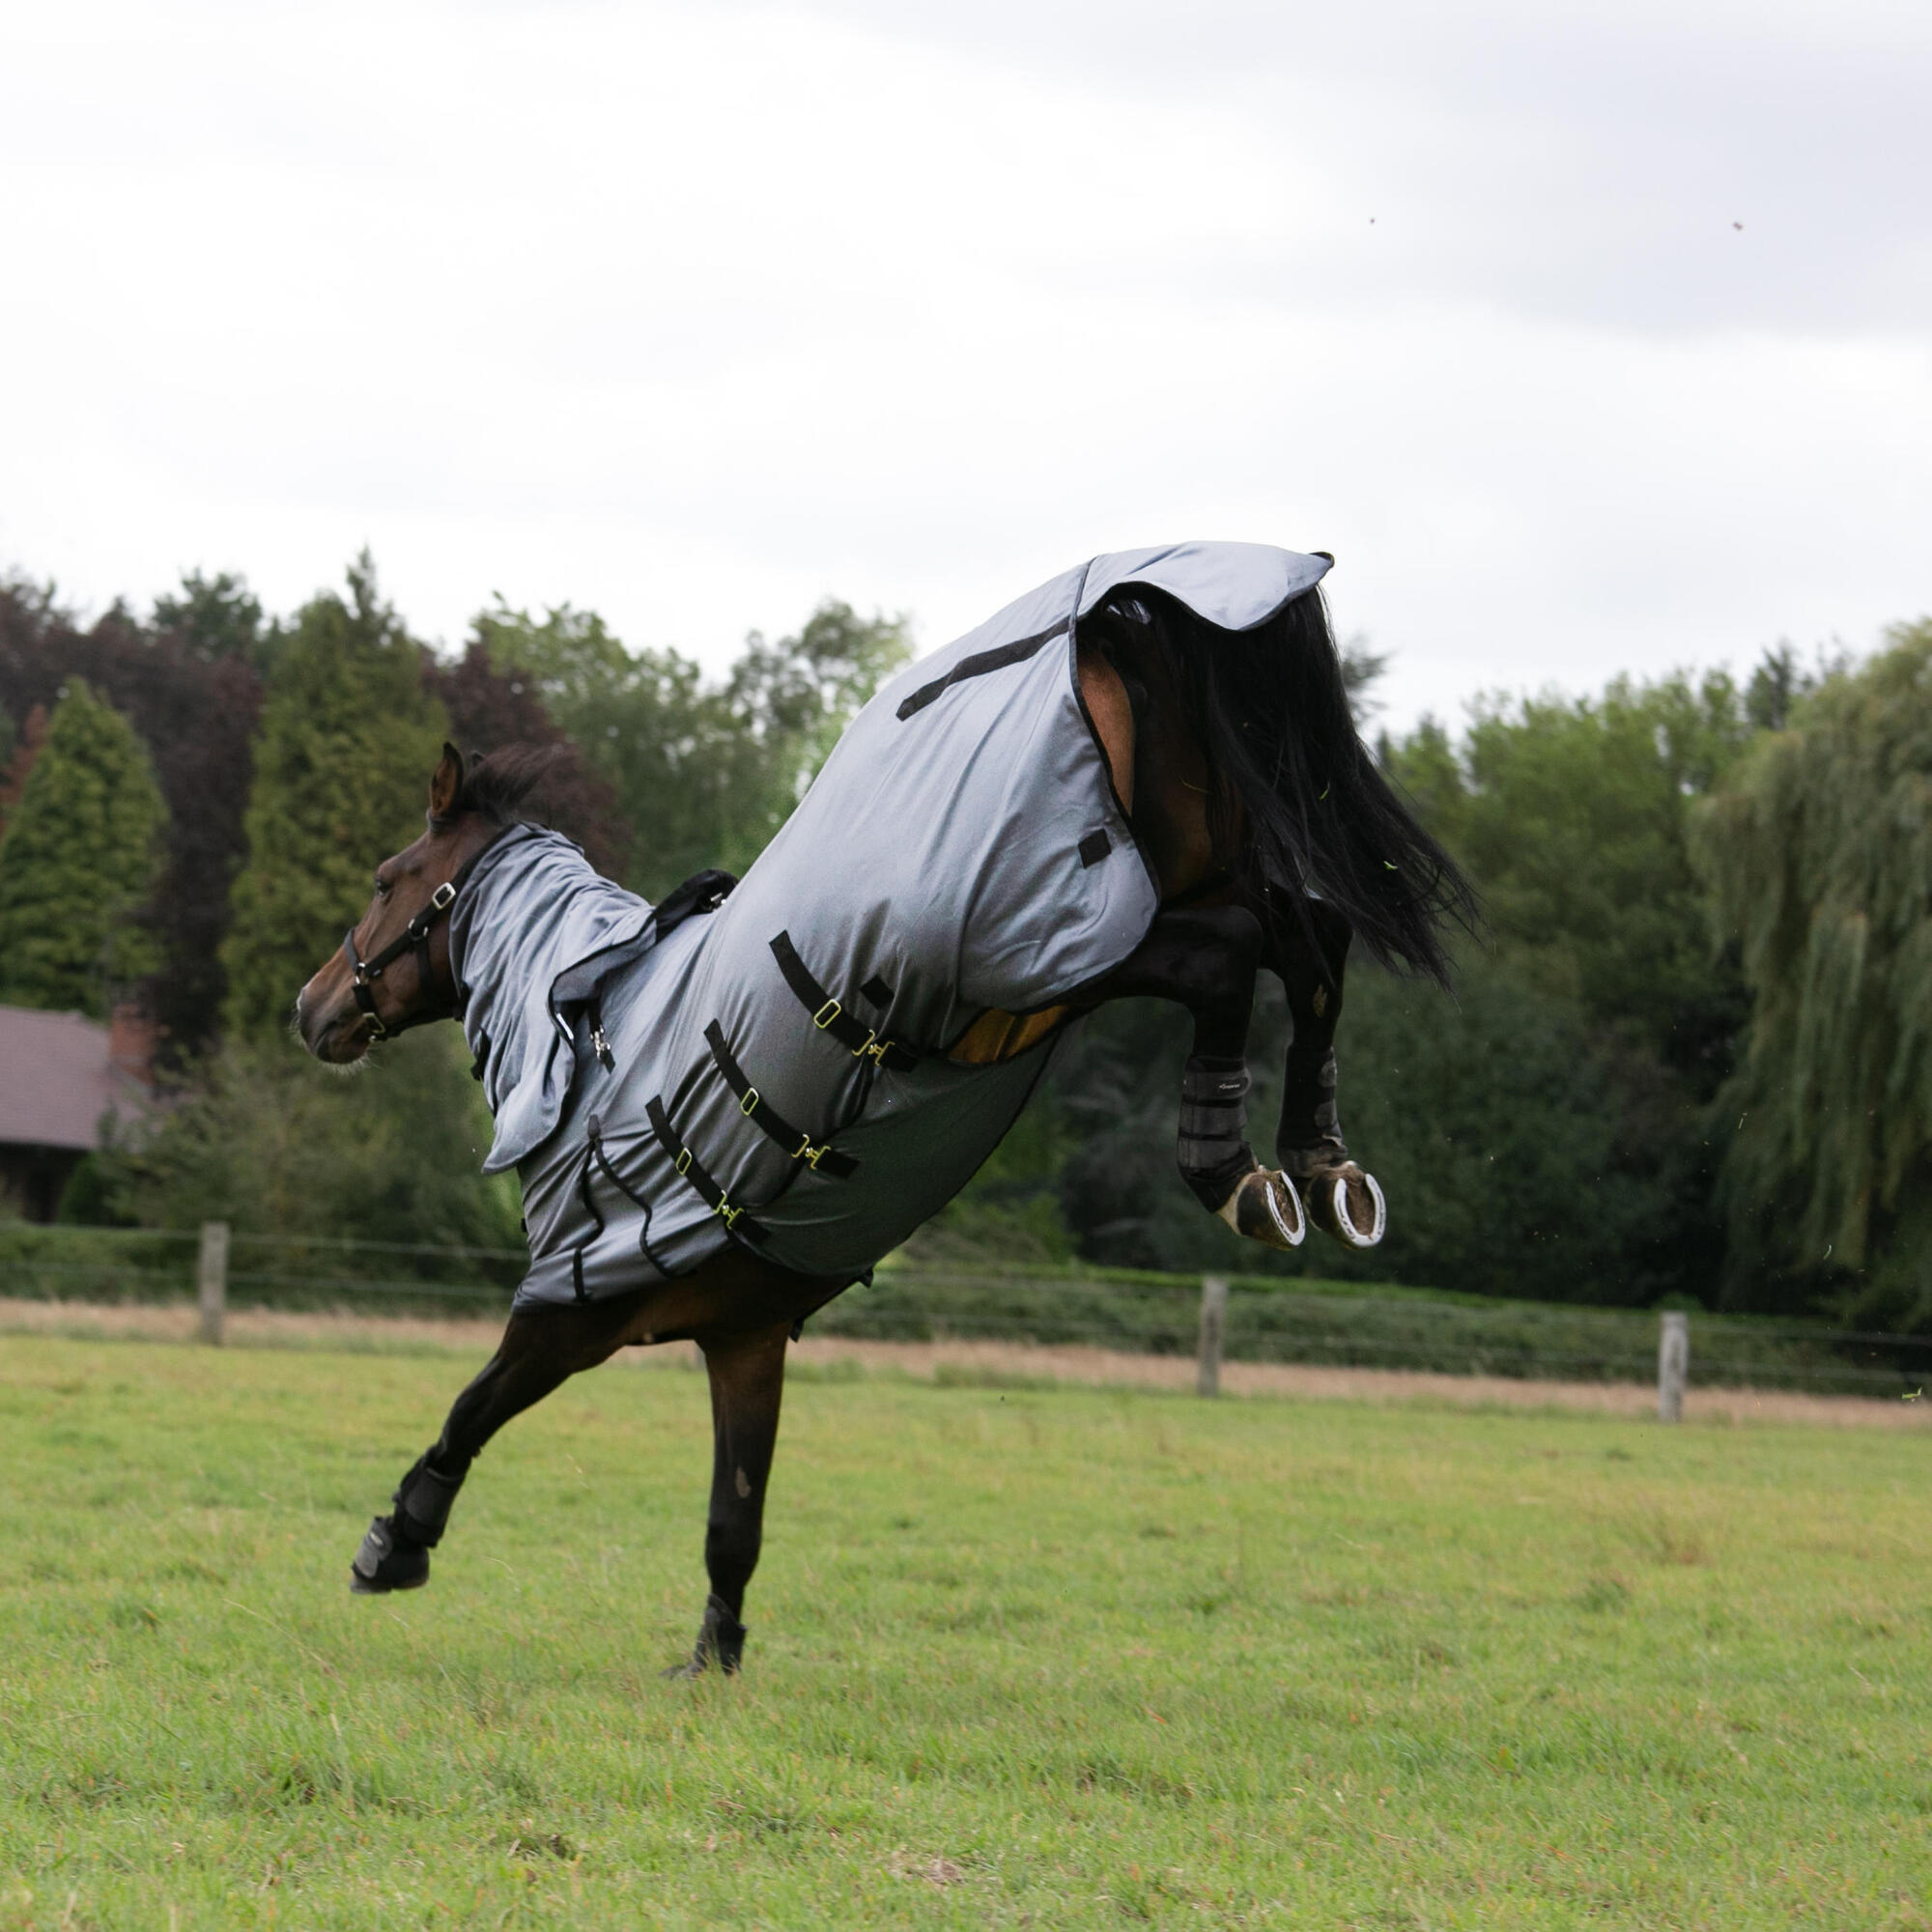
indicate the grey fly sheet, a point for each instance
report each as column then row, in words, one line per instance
column 773, row 1068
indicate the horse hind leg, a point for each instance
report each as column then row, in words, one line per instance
column 747, row 1372
column 542, row 1348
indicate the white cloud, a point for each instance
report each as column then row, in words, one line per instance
column 695, row 314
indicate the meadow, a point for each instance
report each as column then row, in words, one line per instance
column 1019, row 1656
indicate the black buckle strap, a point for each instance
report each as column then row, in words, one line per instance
column 980, row 664
column 754, row 1107
column 695, row 1171
column 828, row 1015
column 413, row 938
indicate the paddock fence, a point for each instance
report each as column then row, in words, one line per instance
column 1249, row 1319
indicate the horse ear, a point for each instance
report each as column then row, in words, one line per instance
column 446, row 781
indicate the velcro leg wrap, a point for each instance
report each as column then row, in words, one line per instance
column 1212, row 1150
column 1327, row 1148
column 423, row 1502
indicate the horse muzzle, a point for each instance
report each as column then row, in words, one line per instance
column 331, row 1025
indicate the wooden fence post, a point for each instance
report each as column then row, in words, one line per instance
column 1213, row 1326
column 212, row 1280
column 1673, row 1365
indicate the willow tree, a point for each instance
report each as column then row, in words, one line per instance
column 347, row 742
column 1819, row 855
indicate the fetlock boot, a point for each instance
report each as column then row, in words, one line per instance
column 395, row 1553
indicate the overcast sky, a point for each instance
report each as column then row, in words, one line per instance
column 1588, row 338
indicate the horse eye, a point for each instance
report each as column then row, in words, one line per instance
column 381, row 886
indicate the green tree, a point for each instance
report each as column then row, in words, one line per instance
column 790, row 702
column 220, row 617
column 1573, row 817
column 275, row 1144
column 346, row 740
column 78, row 862
column 645, row 722
column 704, row 774
column 1819, row 855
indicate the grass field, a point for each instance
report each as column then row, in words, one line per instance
column 1019, row 1657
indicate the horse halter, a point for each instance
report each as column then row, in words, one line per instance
column 413, row 938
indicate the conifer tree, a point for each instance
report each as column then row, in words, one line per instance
column 78, row 862
column 347, row 741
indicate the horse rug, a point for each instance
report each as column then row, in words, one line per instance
column 798, row 1063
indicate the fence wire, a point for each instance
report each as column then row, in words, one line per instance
column 1285, row 1322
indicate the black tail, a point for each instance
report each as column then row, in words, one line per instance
column 1269, row 708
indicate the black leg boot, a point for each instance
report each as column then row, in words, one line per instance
column 395, row 1553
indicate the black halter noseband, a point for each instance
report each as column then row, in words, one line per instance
column 413, row 938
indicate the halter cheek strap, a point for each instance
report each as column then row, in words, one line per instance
column 413, row 938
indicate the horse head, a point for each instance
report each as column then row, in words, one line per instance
column 392, row 970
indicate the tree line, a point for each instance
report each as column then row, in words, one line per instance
column 1685, row 1060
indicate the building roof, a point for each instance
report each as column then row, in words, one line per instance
column 56, row 1079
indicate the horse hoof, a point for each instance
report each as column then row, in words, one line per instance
column 383, row 1564
column 1265, row 1208
column 1347, row 1204
column 720, row 1640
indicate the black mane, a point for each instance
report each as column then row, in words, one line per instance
column 499, row 785
column 1270, row 709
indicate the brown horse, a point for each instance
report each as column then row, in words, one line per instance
column 1238, row 832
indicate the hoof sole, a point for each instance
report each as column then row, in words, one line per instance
column 1329, row 1210
column 1265, row 1208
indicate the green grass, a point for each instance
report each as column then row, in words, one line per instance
column 1019, row 1657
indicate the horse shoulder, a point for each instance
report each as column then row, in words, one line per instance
column 1105, row 697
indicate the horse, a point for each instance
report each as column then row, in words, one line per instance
column 1142, row 780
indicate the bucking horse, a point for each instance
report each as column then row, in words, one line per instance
column 1144, row 779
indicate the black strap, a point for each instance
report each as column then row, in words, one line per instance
column 413, row 938
column 592, row 1208
column 594, row 1140
column 980, row 664
column 703, row 891
column 828, row 1015
column 694, row 1171
column 583, row 985
column 753, row 1105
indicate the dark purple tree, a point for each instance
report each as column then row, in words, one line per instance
column 490, row 708
column 196, row 710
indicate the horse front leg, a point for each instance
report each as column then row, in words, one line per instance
column 542, row 1348
column 747, row 1370
column 1206, row 959
column 1343, row 1200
